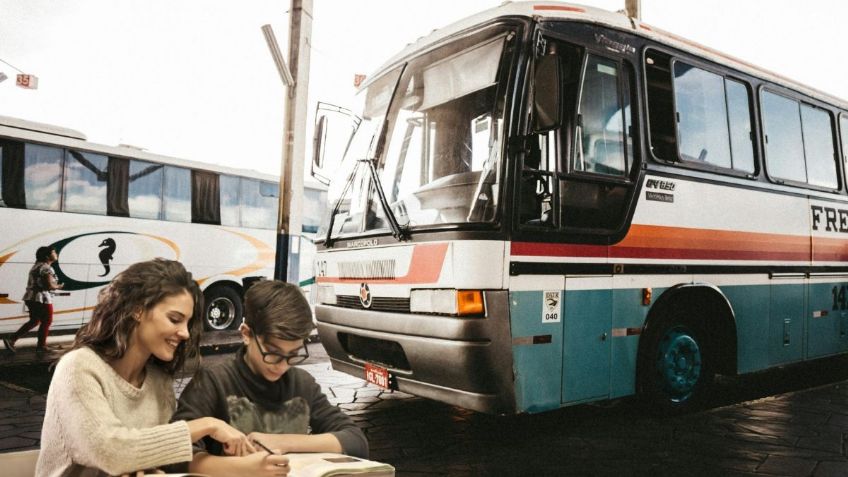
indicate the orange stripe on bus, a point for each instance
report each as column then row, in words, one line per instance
column 60, row 312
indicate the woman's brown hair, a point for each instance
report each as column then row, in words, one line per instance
column 136, row 290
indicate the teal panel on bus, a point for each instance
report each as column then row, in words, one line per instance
column 826, row 325
column 628, row 313
column 586, row 344
column 537, row 367
column 786, row 323
column 751, row 308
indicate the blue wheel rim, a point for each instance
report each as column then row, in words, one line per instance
column 679, row 363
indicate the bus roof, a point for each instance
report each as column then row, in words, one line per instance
column 552, row 10
column 16, row 128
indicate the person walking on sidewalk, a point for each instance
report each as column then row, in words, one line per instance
column 41, row 282
column 112, row 394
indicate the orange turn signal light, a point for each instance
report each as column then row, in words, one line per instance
column 469, row 302
column 646, row 296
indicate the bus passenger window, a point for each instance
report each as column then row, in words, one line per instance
column 783, row 138
column 258, row 204
column 42, row 176
column 229, row 200
column 600, row 129
column 85, row 182
column 701, row 115
column 144, row 191
column 818, row 147
column 177, row 204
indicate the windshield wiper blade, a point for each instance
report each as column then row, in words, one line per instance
column 328, row 240
column 399, row 232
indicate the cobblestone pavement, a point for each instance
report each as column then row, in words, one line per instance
column 796, row 432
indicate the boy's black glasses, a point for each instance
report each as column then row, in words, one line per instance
column 271, row 357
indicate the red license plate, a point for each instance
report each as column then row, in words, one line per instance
column 377, row 375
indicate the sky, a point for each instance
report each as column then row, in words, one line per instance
column 194, row 78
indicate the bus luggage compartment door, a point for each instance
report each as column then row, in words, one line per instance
column 587, row 323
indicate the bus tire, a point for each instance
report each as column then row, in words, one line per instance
column 223, row 309
column 677, row 371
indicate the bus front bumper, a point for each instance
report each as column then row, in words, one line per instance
column 465, row 362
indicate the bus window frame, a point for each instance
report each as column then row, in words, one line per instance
column 801, row 100
column 841, row 151
column 627, row 84
column 723, row 72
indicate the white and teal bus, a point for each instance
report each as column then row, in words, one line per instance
column 104, row 208
column 548, row 204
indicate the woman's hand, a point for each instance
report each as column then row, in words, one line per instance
column 265, row 464
column 234, row 441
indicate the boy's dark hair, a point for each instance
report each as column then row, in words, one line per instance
column 277, row 309
column 43, row 253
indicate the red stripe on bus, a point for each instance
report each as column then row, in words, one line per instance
column 425, row 266
column 650, row 241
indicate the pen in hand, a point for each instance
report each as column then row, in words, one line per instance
column 264, row 447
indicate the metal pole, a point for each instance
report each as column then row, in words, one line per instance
column 633, row 8
column 289, row 223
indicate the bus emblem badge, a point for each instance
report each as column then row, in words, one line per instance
column 365, row 295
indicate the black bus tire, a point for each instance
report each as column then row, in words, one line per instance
column 677, row 371
column 223, row 309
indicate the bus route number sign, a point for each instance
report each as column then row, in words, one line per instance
column 551, row 306
column 377, row 375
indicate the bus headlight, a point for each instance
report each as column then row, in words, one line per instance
column 447, row 302
column 326, row 295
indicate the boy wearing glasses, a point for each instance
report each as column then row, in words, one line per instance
column 260, row 393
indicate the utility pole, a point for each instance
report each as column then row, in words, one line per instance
column 289, row 223
column 633, row 8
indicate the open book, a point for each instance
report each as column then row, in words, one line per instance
column 335, row 465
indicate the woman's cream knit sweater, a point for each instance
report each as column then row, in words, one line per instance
column 96, row 422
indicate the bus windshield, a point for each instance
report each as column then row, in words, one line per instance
column 439, row 159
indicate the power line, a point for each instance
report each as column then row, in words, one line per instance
column 13, row 66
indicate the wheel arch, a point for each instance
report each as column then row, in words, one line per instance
column 703, row 302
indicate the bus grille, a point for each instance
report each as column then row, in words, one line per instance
column 397, row 305
column 383, row 352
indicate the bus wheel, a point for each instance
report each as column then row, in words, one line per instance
column 223, row 309
column 677, row 370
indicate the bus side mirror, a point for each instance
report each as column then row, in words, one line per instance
column 547, row 106
column 334, row 129
column 319, row 141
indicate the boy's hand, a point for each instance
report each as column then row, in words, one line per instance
column 265, row 464
column 271, row 440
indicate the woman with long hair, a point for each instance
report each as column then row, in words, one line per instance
column 112, row 395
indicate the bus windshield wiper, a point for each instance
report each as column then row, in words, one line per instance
column 328, row 240
column 400, row 232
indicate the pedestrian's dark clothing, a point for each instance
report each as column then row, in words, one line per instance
column 294, row 404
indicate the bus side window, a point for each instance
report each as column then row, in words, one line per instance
column 42, row 176
column 144, row 189
column 85, row 182
column 229, row 200
column 177, row 196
